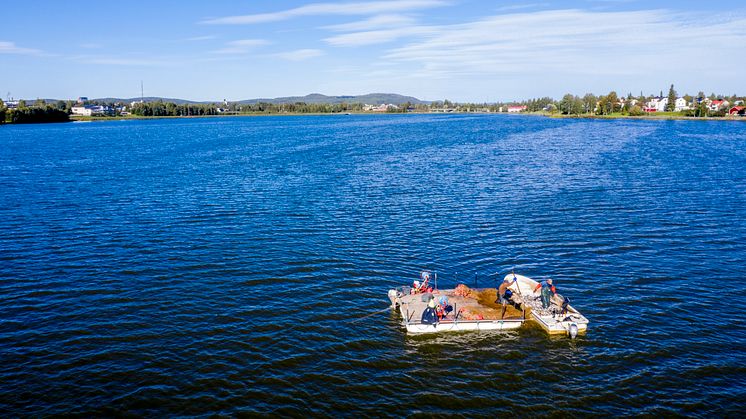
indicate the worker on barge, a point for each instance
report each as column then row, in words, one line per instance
column 504, row 295
column 424, row 286
column 547, row 291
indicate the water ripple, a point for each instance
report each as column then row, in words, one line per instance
column 239, row 266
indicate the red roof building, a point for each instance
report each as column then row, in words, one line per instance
column 737, row 110
column 715, row 105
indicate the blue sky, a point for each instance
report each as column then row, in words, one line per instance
column 463, row 50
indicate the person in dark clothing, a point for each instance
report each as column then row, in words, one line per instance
column 430, row 316
column 504, row 295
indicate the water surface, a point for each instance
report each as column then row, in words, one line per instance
column 218, row 265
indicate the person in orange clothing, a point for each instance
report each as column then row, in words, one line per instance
column 547, row 291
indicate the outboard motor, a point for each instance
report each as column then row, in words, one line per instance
column 573, row 332
column 393, row 297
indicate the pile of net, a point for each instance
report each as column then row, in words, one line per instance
column 467, row 314
column 488, row 296
column 464, row 291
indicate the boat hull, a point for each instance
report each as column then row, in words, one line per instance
column 457, row 326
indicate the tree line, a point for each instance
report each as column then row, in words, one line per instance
column 160, row 108
column 32, row 114
column 634, row 105
column 569, row 104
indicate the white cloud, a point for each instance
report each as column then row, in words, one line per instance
column 201, row 38
column 551, row 52
column 573, row 41
column 241, row 46
column 374, row 22
column 317, row 9
column 515, row 7
column 355, row 39
column 7, row 47
column 144, row 62
column 299, row 54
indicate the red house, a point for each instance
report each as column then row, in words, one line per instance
column 737, row 110
column 715, row 105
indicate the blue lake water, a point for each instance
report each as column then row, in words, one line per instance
column 218, row 265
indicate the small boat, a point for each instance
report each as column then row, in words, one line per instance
column 559, row 318
column 463, row 309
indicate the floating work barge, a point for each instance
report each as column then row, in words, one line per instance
column 463, row 309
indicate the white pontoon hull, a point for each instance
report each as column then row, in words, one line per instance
column 466, row 325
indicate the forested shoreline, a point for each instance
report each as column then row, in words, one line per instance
column 589, row 105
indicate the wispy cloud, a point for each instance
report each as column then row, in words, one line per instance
column 318, row 9
column 116, row 61
column 300, row 54
column 241, row 46
column 514, row 7
column 374, row 22
column 7, row 47
column 200, row 38
column 552, row 52
column 577, row 41
column 356, row 39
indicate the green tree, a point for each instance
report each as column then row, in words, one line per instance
column 671, row 105
column 21, row 104
column 702, row 110
column 589, row 102
column 31, row 115
column 636, row 111
column 2, row 112
column 608, row 104
column 571, row 105
column 565, row 104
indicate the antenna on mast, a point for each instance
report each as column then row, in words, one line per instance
column 142, row 94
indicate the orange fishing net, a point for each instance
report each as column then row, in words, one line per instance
column 464, row 291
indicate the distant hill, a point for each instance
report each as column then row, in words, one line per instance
column 370, row 99
column 147, row 99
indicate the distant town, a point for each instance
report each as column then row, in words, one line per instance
column 589, row 105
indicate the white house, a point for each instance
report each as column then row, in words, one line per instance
column 657, row 104
column 380, row 108
column 515, row 109
column 82, row 110
column 681, row 105
column 89, row 110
